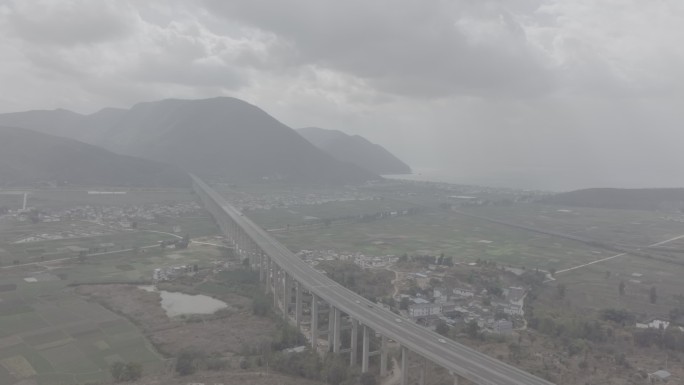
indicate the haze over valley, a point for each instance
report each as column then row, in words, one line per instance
column 212, row 192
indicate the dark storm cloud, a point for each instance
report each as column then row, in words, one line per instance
column 433, row 48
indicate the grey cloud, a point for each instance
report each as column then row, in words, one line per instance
column 409, row 47
column 70, row 22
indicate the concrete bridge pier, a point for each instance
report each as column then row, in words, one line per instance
column 423, row 372
column 269, row 289
column 383, row 356
column 262, row 266
column 276, row 285
column 404, row 365
column 298, row 305
column 364, row 350
column 331, row 326
column 354, row 341
column 287, row 293
column 337, row 323
column 314, row 321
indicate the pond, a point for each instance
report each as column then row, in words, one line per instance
column 176, row 304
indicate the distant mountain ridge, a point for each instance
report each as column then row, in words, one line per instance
column 355, row 149
column 218, row 137
column 28, row 157
column 639, row 199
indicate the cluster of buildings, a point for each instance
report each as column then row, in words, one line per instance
column 173, row 272
column 465, row 305
column 283, row 199
column 108, row 218
column 313, row 257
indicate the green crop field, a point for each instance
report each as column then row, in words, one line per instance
column 51, row 336
column 469, row 239
column 301, row 214
column 638, row 227
column 464, row 238
column 47, row 342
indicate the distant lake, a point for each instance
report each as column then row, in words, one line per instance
column 176, row 304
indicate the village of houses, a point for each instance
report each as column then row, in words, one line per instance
column 107, row 219
column 452, row 305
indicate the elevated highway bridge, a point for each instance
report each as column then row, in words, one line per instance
column 289, row 278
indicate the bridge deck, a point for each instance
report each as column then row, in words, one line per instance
column 466, row 362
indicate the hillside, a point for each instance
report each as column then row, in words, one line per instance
column 639, row 199
column 219, row 137
column 28, row 157
column 355, row 149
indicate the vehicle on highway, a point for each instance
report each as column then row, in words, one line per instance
column 442, row 340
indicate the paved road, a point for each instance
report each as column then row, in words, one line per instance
column 466, row 362
column 617, row 255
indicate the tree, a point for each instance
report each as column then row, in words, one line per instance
column 621, row 288
column 514, row 351
column 561, row 290
column 130, row 371
column 552, row 271
column 367, row 379
column 680, row 300
column 336, row 372
column 442, row 328
column 472, row 329
column 404, row 303
column 187, row 362
column 652, row 295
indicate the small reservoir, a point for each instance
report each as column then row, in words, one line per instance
column 176, row 304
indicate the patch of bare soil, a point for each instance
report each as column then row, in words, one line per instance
column 227, row 331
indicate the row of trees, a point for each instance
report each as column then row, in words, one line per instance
column 440, row 260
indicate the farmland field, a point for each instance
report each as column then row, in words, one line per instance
column 469, row 239
column 301, row 214
column 464, row 238
column 50, row 335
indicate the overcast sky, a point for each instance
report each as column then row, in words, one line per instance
column 531, row 93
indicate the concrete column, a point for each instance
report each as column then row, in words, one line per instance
column 423, row 372
column 251, row 252
column 354, row 341
column 331, row 326
column 364, row 354
column 262, row 268
column 314, row 321
column 404, row 365
column 336, row 331
column 298, row 305
column 276, row 285
column 457, row 379
column 287, row 293
column 383, row 356
column 268, row 275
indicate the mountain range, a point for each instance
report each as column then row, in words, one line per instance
column 355, row 149
column 28, row 157
column 219, row 137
